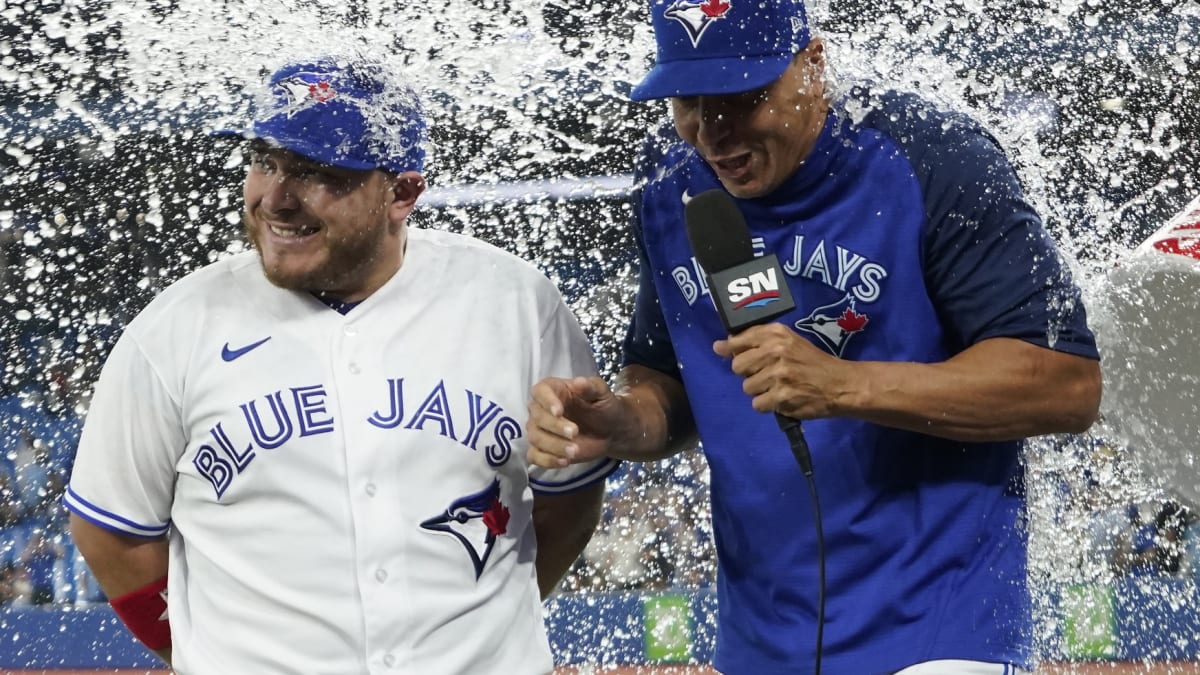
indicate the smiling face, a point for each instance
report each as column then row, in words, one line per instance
column 755, row 140
column 325, row 229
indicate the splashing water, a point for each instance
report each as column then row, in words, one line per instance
column 110, row 187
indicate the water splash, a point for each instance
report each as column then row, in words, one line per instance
column 110, row 188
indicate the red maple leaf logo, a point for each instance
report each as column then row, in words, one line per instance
column 714, row 8
column 322, row 91
column 496, row 518
column 851, row 321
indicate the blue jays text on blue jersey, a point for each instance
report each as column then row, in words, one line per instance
column 269, row 421
column 831, row 264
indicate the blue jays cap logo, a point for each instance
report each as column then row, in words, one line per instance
column 835, row 324
column 696, row 17
column 302, row 90
column 475, row 521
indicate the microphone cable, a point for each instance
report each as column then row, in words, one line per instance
column 799, row 446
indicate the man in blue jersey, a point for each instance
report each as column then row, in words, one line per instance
column 935, row 328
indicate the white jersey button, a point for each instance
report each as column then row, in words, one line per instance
column 354, row 369
column 370, row 489
column 389, row 660
column 381, row 576
column 350, row 330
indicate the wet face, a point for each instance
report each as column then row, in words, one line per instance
column 755, row 140
column 325, row 229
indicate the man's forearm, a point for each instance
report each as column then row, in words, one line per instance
column 660, row 417
column 564, row 525
column 999, row 389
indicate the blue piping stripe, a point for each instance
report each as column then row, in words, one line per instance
column 606, row 467
column 109, row 526
column 85, row 508
column 579, row 483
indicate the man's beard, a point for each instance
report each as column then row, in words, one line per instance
column 347, row 260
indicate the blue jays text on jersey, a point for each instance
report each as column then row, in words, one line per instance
column 835, row 266
column 269, row 421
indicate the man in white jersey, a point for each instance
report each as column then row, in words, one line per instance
column 309, row 458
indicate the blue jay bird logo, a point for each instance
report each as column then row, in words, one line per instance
column 302, row 90
column 475, row 521
column 835, row 324
column 696, row 17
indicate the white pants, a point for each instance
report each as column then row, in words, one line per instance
column 952, row 667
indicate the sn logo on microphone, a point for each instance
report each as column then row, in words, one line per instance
column 759, row 289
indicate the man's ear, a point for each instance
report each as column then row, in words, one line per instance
column 406, row 187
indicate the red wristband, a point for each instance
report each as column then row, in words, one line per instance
column 144, row 612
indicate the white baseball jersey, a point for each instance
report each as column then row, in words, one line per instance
column 343, row 493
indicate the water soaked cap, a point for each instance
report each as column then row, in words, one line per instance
column 714, row 47
column 348, row 114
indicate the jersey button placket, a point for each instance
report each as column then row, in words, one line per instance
column 350, row 330
column 351, row 349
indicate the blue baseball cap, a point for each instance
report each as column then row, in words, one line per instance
column 347, row 114
column 713, row 47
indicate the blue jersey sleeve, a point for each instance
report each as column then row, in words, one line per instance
column 991, row 268
column 647, row 341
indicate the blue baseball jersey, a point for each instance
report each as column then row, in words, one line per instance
column 904, row 236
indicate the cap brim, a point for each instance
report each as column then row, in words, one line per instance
column 710, row 77
column 317, row 153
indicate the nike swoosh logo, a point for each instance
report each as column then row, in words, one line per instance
column 231, row 354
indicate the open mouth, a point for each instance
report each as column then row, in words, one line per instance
column 292, row 232
column 734, row 163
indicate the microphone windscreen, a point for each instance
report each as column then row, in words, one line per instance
column 717, row 231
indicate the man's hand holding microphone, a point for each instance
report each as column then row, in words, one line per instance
column 580, row 419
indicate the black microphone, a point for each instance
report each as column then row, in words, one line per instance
column 747, row 291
